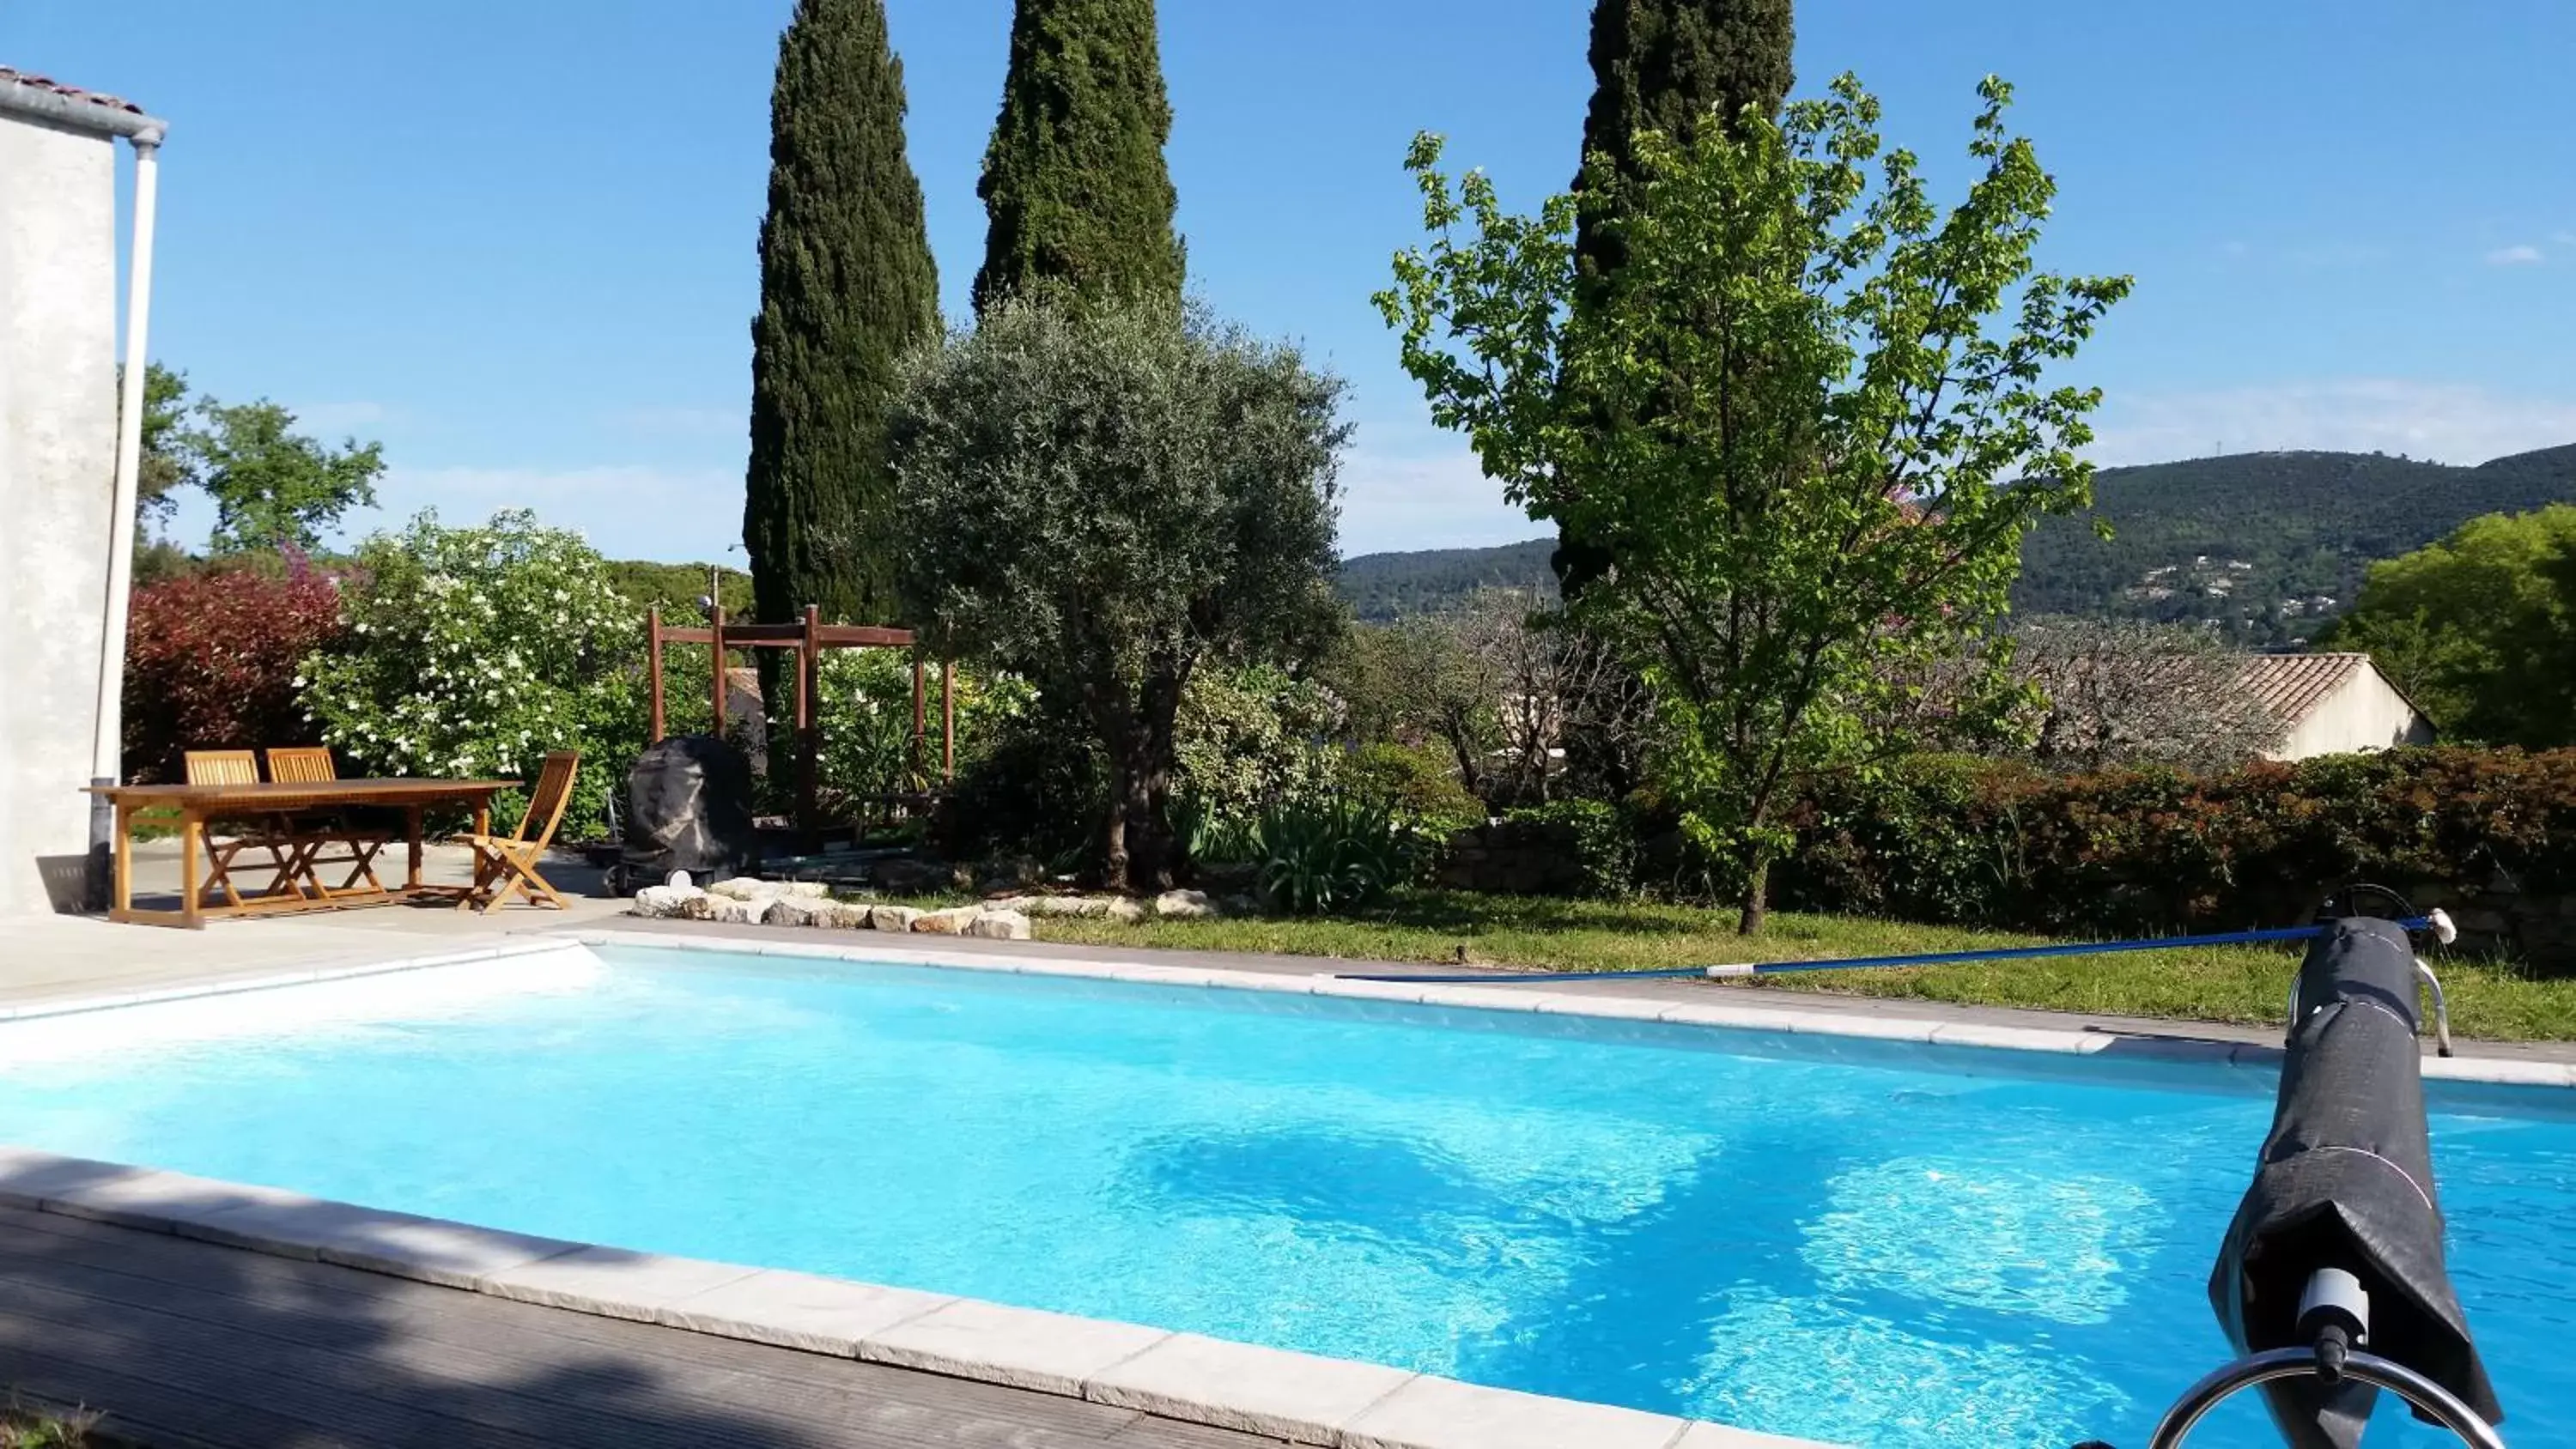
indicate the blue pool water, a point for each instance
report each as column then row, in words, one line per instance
column 1851, row 1241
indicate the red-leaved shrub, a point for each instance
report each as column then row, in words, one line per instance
column 210, row 663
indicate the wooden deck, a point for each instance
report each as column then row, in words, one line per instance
column 189, row 1345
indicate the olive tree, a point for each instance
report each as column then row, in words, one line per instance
column 1805, row 419
column 1105, row 499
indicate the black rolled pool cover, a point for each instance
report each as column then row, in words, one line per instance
column 2346, row 1181
column 689, row 808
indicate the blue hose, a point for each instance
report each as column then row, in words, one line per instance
column 1932, row 958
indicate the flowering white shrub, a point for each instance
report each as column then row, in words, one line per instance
column 472, row 652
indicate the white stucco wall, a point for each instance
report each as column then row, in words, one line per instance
column 2364, row 713
column 57, row 472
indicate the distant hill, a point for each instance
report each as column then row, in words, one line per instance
column 2271, row 544
column 1386, row 586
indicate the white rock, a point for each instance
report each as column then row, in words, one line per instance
column 1183, row 905
column 1123, row 909
column 951, row 922
column 999, row 926
column 734, row 912
column 666, row 901
column 822, row 914
column 892, row 918
column 746, row 888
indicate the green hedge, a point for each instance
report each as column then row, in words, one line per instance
column 2122, row 852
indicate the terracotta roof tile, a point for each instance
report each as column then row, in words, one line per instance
column 2290, row 685
column 20, row 77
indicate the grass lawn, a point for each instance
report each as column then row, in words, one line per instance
column 2495, row 1000
column 24, row 1428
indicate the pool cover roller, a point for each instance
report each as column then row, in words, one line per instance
column 2345, row 1182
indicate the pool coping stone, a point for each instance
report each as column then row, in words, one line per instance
column 1437, row 1413
column 1301, row 1398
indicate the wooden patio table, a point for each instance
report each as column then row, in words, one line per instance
column 198, row 805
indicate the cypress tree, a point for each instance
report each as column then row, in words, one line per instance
column 847, row 284
column 1671, row 66
column 1074, row 182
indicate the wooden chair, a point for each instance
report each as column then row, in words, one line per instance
column 241, row 767
column 504, row 866
column 319, row 831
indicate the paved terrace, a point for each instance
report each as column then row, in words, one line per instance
column 52, row 958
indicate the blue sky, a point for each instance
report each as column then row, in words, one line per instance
column 513, row 239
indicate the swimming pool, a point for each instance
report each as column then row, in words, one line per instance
column 1864, row 1242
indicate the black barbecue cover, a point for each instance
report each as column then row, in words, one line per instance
column 2346, row 1181
column 688, row 807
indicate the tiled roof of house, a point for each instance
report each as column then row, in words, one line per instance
column 20, row 77
column 2290, row 685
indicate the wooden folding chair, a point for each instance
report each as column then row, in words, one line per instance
column 504, row 866
column 240, row 767
column 314, row 832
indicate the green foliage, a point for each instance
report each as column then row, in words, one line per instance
column 1599, row 835
column 164, row 467
column 865, row 709
column 1249, row 738
column 473, row 651
column 25, row 1428
column 1665, row 68
column 2480, row 629
column 1208, row 837
column 1319, row 856
column 1415, row 785
column 1039, row 789
column 1783, row 416
column 272, row 486
column 1668, row 66
column 677, row 589
column 847, row 285
column 1074, row 182
column 1422, row 681
column 1105, row 500
column 2142, row 851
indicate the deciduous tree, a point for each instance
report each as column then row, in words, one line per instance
column 2480, row 629
column 1783, row 415
column 273, row 486
column 1669, row 67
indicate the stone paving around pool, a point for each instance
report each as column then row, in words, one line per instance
column 1299, row 1398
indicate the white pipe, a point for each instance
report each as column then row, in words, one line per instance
column 108, row 743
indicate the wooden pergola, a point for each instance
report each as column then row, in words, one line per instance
column 809, row 638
